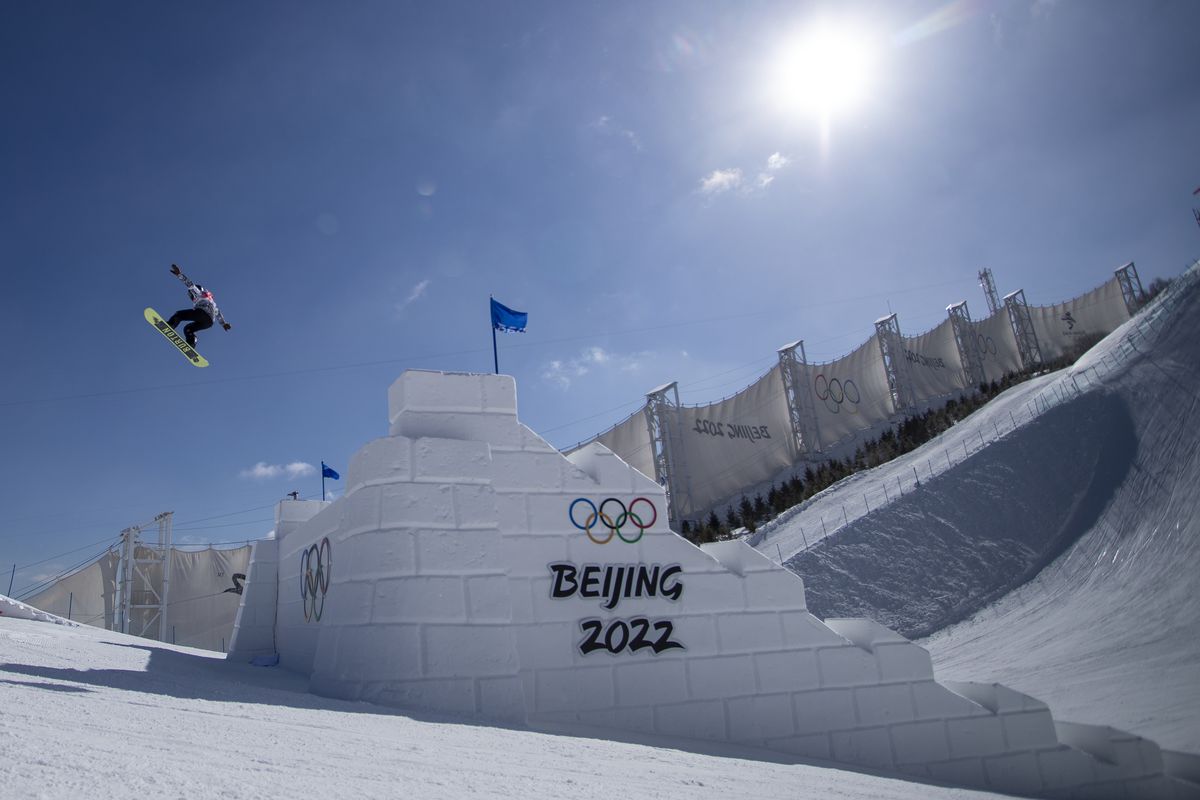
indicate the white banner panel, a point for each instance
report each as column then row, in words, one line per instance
column 850, row 394
column 204, row 593
column 934, row 364
column 630, row 441
column 997, row 346
column 88, row 596
column 736, row 443
column 1061, row 326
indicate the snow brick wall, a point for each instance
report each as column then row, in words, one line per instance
column 471, row 568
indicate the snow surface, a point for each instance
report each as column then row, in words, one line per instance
column 90, row 713
column 1085, row 599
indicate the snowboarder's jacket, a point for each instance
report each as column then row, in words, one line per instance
column 202, row 299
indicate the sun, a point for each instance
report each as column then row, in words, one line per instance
column 824, row 72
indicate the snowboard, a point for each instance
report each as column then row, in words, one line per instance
column 174, row 338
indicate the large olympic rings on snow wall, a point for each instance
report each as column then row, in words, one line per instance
column 833, row 392
column 316, row 562
column 613, row 524
column 987, row 346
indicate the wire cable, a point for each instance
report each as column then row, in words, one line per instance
column 27, row 591
column 69, row 552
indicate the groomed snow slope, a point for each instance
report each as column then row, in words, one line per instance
column 90, row 713
column 1069, row 548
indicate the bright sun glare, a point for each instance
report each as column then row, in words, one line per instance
column 825, row 72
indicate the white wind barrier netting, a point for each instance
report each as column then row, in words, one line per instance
column 1062, row 325
column 204, row 597
column 933, row 362
column 735, row 443
column 630, row 441
column 849, row 394
column 88, row 596
column 997, row 345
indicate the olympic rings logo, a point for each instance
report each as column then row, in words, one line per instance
column 614, row 524
column 834, row 393
column 987, row 347
column 316, row 562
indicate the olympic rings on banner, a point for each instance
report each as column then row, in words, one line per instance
column 834, row 393
column 316, row 563
column 614, row 524
column 987, row 347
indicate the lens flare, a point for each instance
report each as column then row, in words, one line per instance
column 824, row 72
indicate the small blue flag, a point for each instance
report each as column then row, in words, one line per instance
column 505, row 319
column 328, row 472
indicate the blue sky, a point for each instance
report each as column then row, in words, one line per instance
column 353, row 180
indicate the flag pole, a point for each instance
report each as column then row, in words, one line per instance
column 495, row 356
column 322, row 481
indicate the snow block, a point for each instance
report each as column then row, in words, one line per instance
column 471, row 569
column 254, row 627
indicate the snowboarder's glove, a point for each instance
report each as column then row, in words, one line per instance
column 174, row 269
column 227, row 325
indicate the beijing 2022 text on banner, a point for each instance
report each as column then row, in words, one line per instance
column 739, row 442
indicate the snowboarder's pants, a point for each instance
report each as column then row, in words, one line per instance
column 197, row 321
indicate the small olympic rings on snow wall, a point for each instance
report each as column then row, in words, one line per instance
column 316, row 562
column 614, row 516
column 836, row 394
column 986, row 345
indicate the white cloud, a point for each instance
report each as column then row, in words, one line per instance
column 590, row 359
column 734, row 180
column 720, row 180
column 414, row 294
column 299, row 469
column 263, row 471
column 606, row 127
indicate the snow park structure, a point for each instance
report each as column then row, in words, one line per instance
column 472, row 569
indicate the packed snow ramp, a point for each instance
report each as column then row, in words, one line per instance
column 471, row 568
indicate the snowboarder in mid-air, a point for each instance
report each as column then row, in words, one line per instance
column 203, row 313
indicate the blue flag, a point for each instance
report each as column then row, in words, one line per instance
column 505, row 319
column 328, row 472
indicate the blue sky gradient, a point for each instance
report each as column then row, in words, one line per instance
column 353, row 181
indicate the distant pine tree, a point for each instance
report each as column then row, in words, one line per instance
column 761, row 512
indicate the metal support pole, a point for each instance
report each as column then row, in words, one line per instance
column 793, row 368
column 967, row 343
column 661, row 413
column 165, row 543
column 495, row 353
column 1022, row 328
column 11, row 578
column 891, row 349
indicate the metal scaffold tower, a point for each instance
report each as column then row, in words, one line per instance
column 891, row 347
column 1022, row 328
column 661, row 413
column 792, row 366
column 989, row 290
column 145, row 580
column 967, row 342
column 1131, row 287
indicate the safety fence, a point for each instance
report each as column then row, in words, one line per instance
column 800, row 413
column 955, row 446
